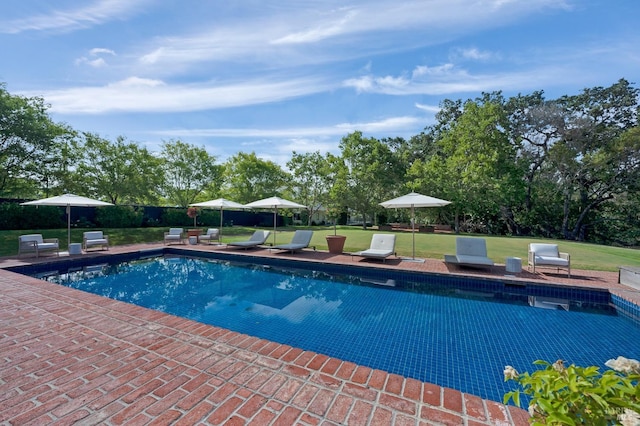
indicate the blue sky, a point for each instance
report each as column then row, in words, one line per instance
column 277, row 76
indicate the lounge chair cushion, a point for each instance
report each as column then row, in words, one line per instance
column 258, row 238
column 382, row 246
column 470, row 251
column 474, row 260
column 301, row 239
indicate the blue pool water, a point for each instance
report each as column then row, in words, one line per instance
column 457, row 337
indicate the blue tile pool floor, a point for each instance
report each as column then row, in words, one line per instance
column 456, row 339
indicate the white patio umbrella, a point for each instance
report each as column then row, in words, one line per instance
column 67, row 200
column 413, row 200
column 274, row 203
column 219, row 203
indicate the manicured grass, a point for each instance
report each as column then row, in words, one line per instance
column 583, row 255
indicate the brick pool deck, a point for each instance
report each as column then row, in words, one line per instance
column 69, row 357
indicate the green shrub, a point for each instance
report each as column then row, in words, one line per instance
column 209, row 217
column 175, row 217
column 119, row 217
column 10, row 215
column 575, row 395
column 15, row 216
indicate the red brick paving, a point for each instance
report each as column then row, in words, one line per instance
column 70, row 357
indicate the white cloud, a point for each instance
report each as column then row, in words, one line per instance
column 137, row 82
column 449, row 80
column 388, row 125
column 94, row 13
column 320, row 32
column 136, row 94
column 100, row 50
column 428, row 108
column 440, row 70
column 277, row 144
column 474, row 54
column 99, row 61
column 283, row 35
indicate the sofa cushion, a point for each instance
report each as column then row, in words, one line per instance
column 47, row 246
column 93, row 235
column 474, row 260
column 548, row 250
column 37, row 238
column 551, row 260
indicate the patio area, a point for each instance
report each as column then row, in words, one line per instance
column 69, row 357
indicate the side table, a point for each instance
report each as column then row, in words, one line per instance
column 513, row 265
column 75, row 248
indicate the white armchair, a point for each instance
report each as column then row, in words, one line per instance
column 174, row 235
column 34, row 243
column 211, row 235
column 95, row 239
column 548, row 255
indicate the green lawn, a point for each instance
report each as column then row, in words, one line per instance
column 583, row 255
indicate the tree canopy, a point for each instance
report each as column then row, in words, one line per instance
column 526, row 165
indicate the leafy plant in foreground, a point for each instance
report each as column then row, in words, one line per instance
column 574, row 395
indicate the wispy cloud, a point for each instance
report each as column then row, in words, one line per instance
column 320, row 32
column 96, row 57
column 428, row 108
column 392, row 124
column 136, row 94
column 88, row 15
column 473, row 54
column 277, row 144
column 283, row 35
column 451, row 80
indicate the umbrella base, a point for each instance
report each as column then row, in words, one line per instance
column 411, row 259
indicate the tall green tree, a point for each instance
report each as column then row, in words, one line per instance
column 121, row 172
column 27, row 134
column 188, row 171
column 371, row 174
column 474, row 164
column 248, row 178
column 311, row 180
column 593, row 162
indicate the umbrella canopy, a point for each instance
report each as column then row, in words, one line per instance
column 219, row 203
column 67, row 200
column 413, row 200
column 274, row 203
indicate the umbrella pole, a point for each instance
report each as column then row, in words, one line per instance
column 68, row 226
column 220, row 231
column 275, row 224
column 413, row 231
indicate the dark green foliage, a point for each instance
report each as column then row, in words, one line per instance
column 565, row 168
column 15, row 216
column 119, row 217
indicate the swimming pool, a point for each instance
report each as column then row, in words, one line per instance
column 454, row 332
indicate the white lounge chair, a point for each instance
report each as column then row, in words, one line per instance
column 544, row 254
column 95, row 239
column 301, row 239
column 258, row 238
column 382, row 246
column 174, row 235
column 211, row 235
column 470, row 251
column 34, row 243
